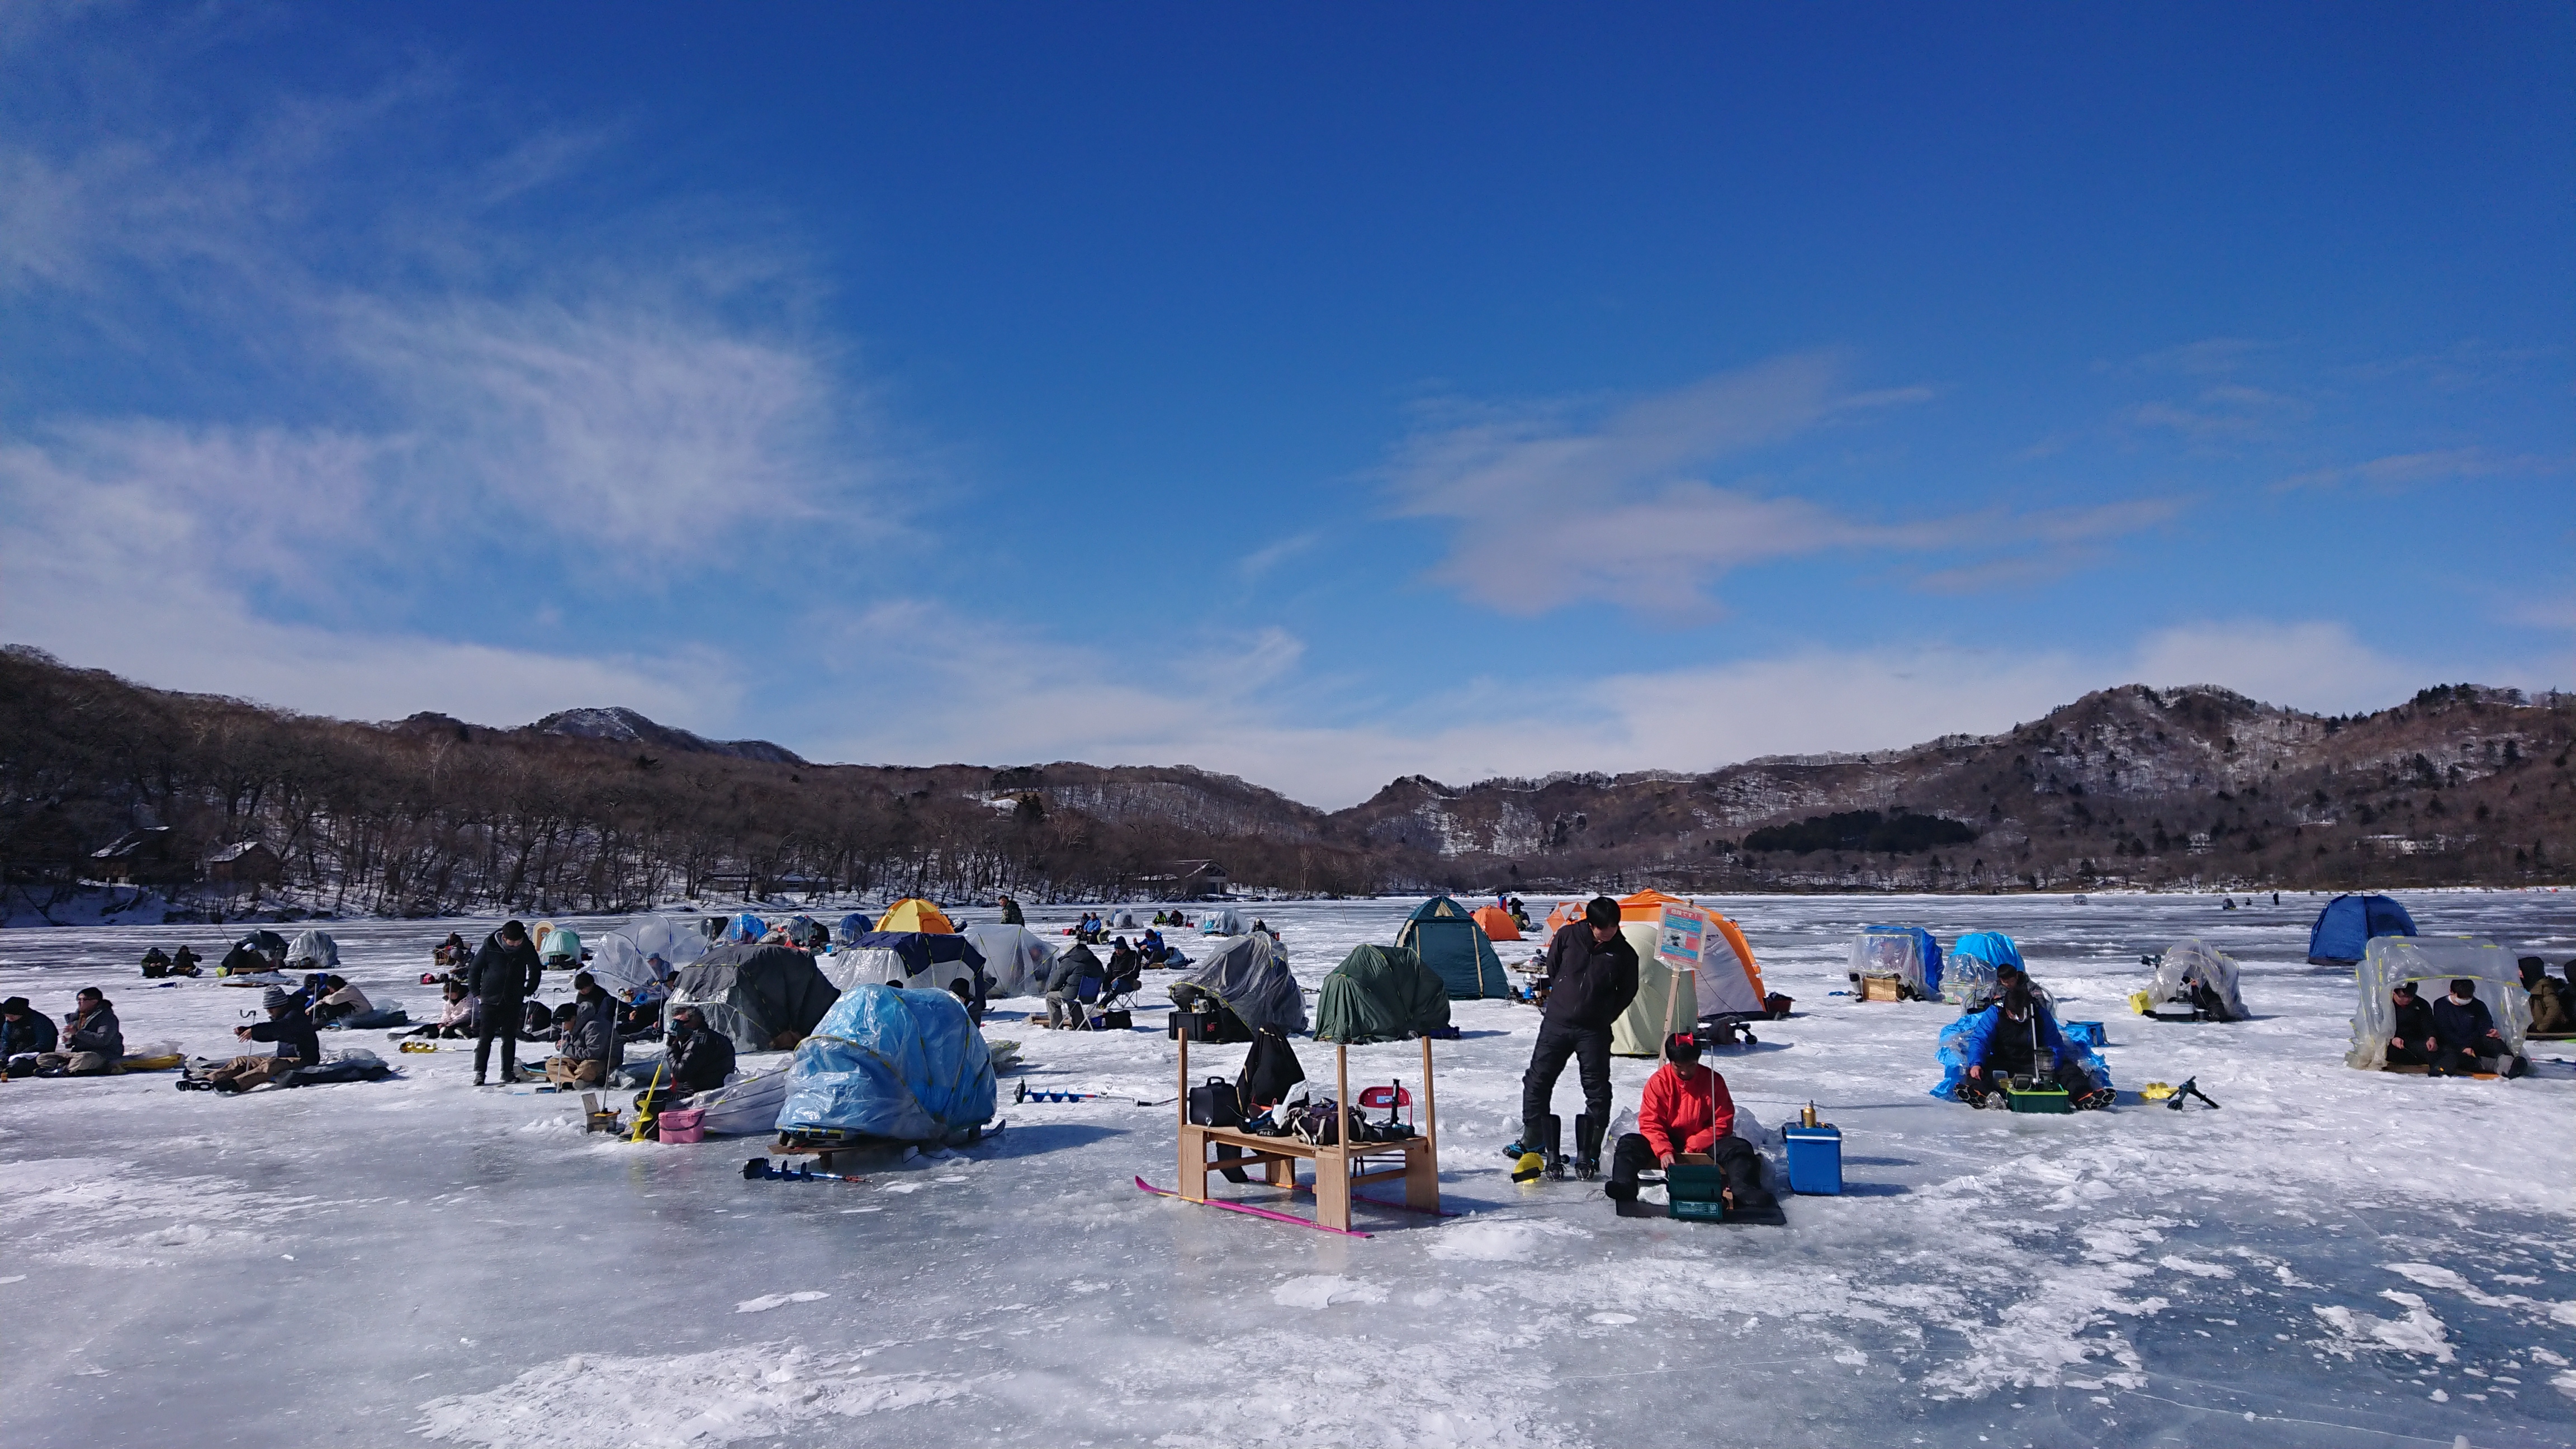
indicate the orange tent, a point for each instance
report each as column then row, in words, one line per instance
column 1647, row 905
column 1565, row 914
column 1498, row 923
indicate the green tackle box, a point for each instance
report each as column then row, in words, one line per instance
column 2050, row 1098
column 1696, row 1190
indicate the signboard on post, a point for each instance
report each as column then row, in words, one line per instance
column 1683, row 941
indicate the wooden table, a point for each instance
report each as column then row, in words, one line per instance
column 1338, row 1168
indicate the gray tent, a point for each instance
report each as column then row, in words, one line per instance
column 755, row 994
column 1248, row 975
column 1223, row 921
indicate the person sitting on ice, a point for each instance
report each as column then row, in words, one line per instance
column 183, row 962
column 2552, row 1011
column 2411, row 1044
column 93, row 1042
column 156, row 963
column 542, row 1023
column 297, row 1046
column 339, row 1002
column 2465, row 1039
column 2018, row 1037
column 695, row 1059
column 589, row 1049
column 1686, row 1109
column 1064, row 985
column 25, row 1034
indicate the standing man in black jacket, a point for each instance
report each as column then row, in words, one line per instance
column 1591, row 977
column 506, row 972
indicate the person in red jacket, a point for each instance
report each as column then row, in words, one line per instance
column 1686, row 1109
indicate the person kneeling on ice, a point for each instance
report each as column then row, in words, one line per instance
column 1688, row 1111
column 297, row 1046
column 694, row 1059
column 2465, row 1039
column 2018, row 1037
column 93, row 1042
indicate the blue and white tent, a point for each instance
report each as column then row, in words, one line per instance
column 900, row 1066
column 1908, row 953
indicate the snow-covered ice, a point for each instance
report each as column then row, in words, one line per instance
column 2334, row 1258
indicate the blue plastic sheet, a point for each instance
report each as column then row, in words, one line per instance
column 906, row 1066
column 1963, row 1045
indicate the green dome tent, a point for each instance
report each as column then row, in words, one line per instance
column 1380, row 993
column 1444, row 934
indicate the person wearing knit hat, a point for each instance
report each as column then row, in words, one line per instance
column 297, row 1046
column 25, row 1033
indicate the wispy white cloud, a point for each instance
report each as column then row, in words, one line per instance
column 2396, row 471
column 1262, row 560
column 2228, row 413
column 1627, row 524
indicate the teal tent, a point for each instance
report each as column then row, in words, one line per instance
column 1445, row 935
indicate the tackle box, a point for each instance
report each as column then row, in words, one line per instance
column 2050, row 1098
column 1696, row 1189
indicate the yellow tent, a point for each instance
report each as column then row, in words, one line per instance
column 915, row 914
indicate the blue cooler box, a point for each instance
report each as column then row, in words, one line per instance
column 1815, row 1159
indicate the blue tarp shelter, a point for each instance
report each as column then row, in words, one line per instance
column 1963, row 1045
column 1445, row 935
column 2344, row 928
column 745, row 928
column 896, row 1065
column 1968, row 975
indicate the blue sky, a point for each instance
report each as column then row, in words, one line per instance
column 1317, row 394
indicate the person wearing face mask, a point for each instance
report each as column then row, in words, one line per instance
column 2465, row 1039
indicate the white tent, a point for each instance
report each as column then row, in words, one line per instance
column 2435, row 962
column 2191, row 960
column 1667, row 1000
column 1892, row 951
column 1224, row 921
column 313, row 951
column 1017, row 958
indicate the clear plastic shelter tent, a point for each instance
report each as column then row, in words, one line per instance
column 1226, row 921
column 2191, row 960
column 2434, row 962
column 622, row 969
column 676, row 939
column 1907, row 953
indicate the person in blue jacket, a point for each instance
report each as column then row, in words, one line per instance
column 2017, row 1037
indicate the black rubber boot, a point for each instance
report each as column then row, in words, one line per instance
column 1554, row 1150
column 1587, row 1148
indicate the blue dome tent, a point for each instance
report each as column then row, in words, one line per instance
column 2344, row 928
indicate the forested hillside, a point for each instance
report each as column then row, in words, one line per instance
column 602, row 809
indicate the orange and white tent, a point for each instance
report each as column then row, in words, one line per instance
column 1498, row 924
column 1682, row 971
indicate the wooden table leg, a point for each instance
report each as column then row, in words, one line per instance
column 1422, row 1179
column 1194, row 1165
column 1333, row 1189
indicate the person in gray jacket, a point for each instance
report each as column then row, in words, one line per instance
column 590, row 1049
column 93, row 1042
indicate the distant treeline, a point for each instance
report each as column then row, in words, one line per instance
column 436, row 816
column 1902, row 834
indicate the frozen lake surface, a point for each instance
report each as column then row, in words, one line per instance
column 2335, row 1258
